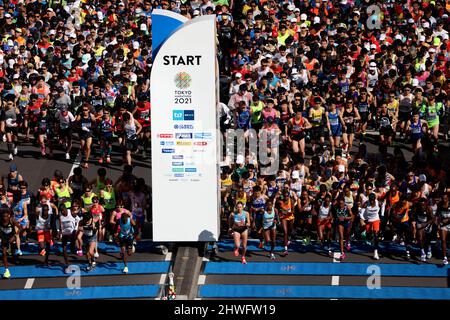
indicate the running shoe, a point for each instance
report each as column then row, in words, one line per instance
column 18, row 252
column 7, row 274
column 286, row 252
column 67, row 156
column 43, row 252
column 89, row 268
column 96, row 255
column 133, row 248
column 108, row 160
column 272, row 256
column 343, row 256
column 125, row 270
column 243, row 260
column 43, row 152
column 307, row 240
column 330, row 253
column 80, row 253
column 445, row 261
column 408, row 255
column 94, row 264
column 10, row 157
column 363, row 234
column 100, row 160
column 236, row 252
column 348, row 246
column 15, row 150
column 423, row 257
column 375, row 255
column 429, row 254
column 261, row 245
column 4, row 138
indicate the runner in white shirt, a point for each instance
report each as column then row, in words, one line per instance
column 370, row 219
column 69, row 224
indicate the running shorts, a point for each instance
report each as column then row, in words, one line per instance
column 44, row 236
column 126, row 241
column 324, row 222
column 373, row 226
column 240, row 229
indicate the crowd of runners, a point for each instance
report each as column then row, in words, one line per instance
column 74, row 71
column 75, row 211
column 358, row 96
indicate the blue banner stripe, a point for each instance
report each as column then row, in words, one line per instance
column 162, row 28
column 328, row 268
column 112, row 292
column 324, row 292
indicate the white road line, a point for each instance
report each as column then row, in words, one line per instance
column 201, row 279
column 168, row 256
column 29, row 283
column 335, row 279
column 76, row 163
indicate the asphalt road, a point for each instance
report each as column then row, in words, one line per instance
column 117, row 279
column 33, row 167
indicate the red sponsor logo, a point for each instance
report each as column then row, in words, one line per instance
column 165, row 135
column 200, row 143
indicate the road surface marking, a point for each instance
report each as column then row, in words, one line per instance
column 29, row 283
column 201, row 279
column 335, row 279
column 76, row 163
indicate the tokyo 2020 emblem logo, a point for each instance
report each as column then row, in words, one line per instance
column 182, row 80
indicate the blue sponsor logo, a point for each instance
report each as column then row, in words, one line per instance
column 167, row 143
column 189, row 115
column 183, row 126
column 190, row 169
column 183, row 115
column 164, row 150
column 177, row 164
column 177, row 157
column 183, row 135
column 202, row 135
column 178, row 175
